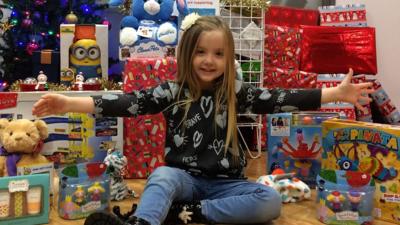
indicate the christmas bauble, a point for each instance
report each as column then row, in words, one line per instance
column 27, row 22
column 31, row 47
column 71, row 18
column 40, row 2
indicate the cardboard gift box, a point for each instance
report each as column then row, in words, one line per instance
column 282, row 47
column 73, row 137
column 336, row 49
column 144, row 136
column 84, row 48
column 291, row 17
column 294, row 143
column 47, row 61
column 370, row 148
column 351, row 15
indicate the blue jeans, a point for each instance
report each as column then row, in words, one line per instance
column 222, row 200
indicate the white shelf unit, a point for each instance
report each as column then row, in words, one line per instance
column 247, row 25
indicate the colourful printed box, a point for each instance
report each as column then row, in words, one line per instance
column 294, row 143
column 370, row 148
column 73, row 137
column 24, row 199
column 144, row 136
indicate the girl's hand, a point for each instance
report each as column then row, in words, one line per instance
column 354, row 93
column 50, row 104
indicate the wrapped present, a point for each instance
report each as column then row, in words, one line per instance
column 47, row 61
column 336, row 49
column 343, row 15
column 144, row 136
column 282, row 46
column 346, row 110
column 292, row 17
column 384, row 104
column 370, row 148
column 286, row 78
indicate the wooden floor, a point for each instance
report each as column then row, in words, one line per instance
column 303, row 213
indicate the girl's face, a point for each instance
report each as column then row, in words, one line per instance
column 209, row 60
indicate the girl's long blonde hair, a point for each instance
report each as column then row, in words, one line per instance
column 224, row 88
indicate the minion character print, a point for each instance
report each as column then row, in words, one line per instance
column 84, row 52
column 67, row 76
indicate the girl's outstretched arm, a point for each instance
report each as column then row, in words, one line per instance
column 348, row 92
column 50, row 104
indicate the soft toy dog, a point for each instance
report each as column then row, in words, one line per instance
column 22, row 141
column 150, row 19
column 290, row 188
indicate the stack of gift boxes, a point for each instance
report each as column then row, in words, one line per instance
column 358, row 176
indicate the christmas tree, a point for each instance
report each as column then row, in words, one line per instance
column 34, row 25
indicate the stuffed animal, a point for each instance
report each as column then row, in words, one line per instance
column 290, row 188
column 22, row 141
column 116, row 163
column 150, row 19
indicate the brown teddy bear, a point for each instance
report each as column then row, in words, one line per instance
column 22, row 141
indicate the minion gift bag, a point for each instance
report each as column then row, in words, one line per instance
column 84, row 49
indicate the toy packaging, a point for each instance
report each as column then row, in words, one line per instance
column 345, row 197
column 73, row 137
column 370, row 148
column 385, row 105
column 294, row 143
column 47, row 61
column 84, row 49
column 24, row 199
column 83, row 189
column 144, row 136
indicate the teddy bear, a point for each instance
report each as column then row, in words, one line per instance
column 149, row 20
column 22, row 141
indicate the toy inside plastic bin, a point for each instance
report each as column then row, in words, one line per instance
column 84, row 189
column 345, row 197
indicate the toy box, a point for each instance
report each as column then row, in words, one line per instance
column 73, row 137
column 83, row 189
column 294, row 143
column 24, row 199
column 84, row 48
column 345, row 197
column 370, row 148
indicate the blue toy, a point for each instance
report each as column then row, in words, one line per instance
column 149, row 19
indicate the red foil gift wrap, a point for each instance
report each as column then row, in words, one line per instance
column 287, row 78
column 291, row 17
column 336, row 49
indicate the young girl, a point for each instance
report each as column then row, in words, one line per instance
column 203, row 180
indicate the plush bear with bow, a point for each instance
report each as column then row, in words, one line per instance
column 22, row 141
column 149, row 19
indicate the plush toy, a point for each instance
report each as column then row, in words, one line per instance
column 22, row 141
column 290, row 188
column 116, row 163
column 149, row 19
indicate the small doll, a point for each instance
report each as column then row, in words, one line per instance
column 79, row 195
column 95, row 191
column 355, row 199
column 79, row 79
column 336, row 199
column 42, row 82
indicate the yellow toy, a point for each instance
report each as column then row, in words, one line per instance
column 84, row 52
column 21, row 141
column 67, row 76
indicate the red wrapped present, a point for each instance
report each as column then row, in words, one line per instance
column 336, row 49
column 385, row 104
column 345, row 110
column 282, row 47
column 343, row 15
column 291, row 17
column 144, row 136
column 287, row 78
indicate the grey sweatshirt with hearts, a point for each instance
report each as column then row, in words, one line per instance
column 197, row 144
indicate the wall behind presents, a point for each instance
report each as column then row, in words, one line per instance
column 384, row 16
